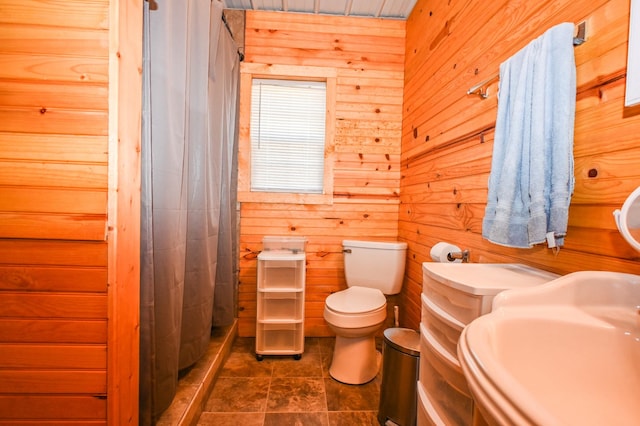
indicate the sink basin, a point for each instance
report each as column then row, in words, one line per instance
column 562, row 353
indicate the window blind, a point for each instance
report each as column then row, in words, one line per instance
column 287, row 135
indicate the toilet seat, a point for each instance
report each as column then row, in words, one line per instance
column 356, row 300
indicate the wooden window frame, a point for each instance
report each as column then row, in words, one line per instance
column 249, row 71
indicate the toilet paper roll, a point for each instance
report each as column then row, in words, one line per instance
column 440, row 251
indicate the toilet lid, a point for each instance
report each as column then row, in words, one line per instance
column 356, row 300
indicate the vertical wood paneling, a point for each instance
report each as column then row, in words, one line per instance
column 448, row 136
column 367, row 58
column 125, row 112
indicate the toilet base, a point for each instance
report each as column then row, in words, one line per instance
column 355, row 360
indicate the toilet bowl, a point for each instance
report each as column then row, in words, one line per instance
column 355, row 315
column 372, row 269
column 356, row 311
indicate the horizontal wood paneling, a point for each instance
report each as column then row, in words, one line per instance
column 89, row 14
column 50, row 67
column 34, row 200
column 325, row 232
column 51, row 120
column 20, row 38
column 52, row 330
column 54, row 127
column 91, row 176
column 53, row 305
column 71, row 408
column 53, row 382
column 60, row 226
column 366, row 56
column 448, row 135
column 58, row 357
column 60, row 253
column 53, row 148
column 35, row 276
column 86, row 96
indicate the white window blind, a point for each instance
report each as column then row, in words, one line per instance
column 287, row 136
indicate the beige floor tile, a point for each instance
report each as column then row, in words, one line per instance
column 295, row 419
column 239, row 394
column 244, row 364
column 280, row 390
column 353, row 418
column 296, row 394
column 341, row 397
column 231, row 419
column 310, row 365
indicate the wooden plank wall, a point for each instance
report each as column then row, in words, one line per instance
column 447, row 135
column 54, row 82
column 367, row 56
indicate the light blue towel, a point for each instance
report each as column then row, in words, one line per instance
column 531, row 180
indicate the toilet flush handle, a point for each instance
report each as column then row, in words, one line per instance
column 346, row 251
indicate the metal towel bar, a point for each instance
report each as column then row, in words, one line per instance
column 480, row 89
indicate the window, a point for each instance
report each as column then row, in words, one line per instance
column 285, row 174
column 288, row 136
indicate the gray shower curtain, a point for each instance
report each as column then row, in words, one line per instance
column 188, row 273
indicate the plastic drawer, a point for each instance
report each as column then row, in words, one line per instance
column 281, row 274
column 280, row 305
column 279, row 338
column 427, row 415
column 445, row 364
column 442, row 326
column 462, row 306
column 444, row 383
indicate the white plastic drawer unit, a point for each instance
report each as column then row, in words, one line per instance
column 444, row 382
column 280, row 303
column 453, row 295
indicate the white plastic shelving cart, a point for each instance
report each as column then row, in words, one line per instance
column 280, row 296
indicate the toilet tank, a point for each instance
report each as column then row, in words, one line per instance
column 375, row 264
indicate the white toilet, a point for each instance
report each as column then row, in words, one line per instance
column 372, row 269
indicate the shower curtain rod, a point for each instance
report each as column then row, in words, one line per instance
column 481, row 88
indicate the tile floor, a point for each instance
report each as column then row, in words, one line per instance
column 282, row 391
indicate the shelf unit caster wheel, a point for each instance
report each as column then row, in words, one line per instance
column 259, row 357
column 297, row 357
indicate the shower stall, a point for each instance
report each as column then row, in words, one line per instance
column 188, row 204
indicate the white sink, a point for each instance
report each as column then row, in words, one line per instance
column 563, row 353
